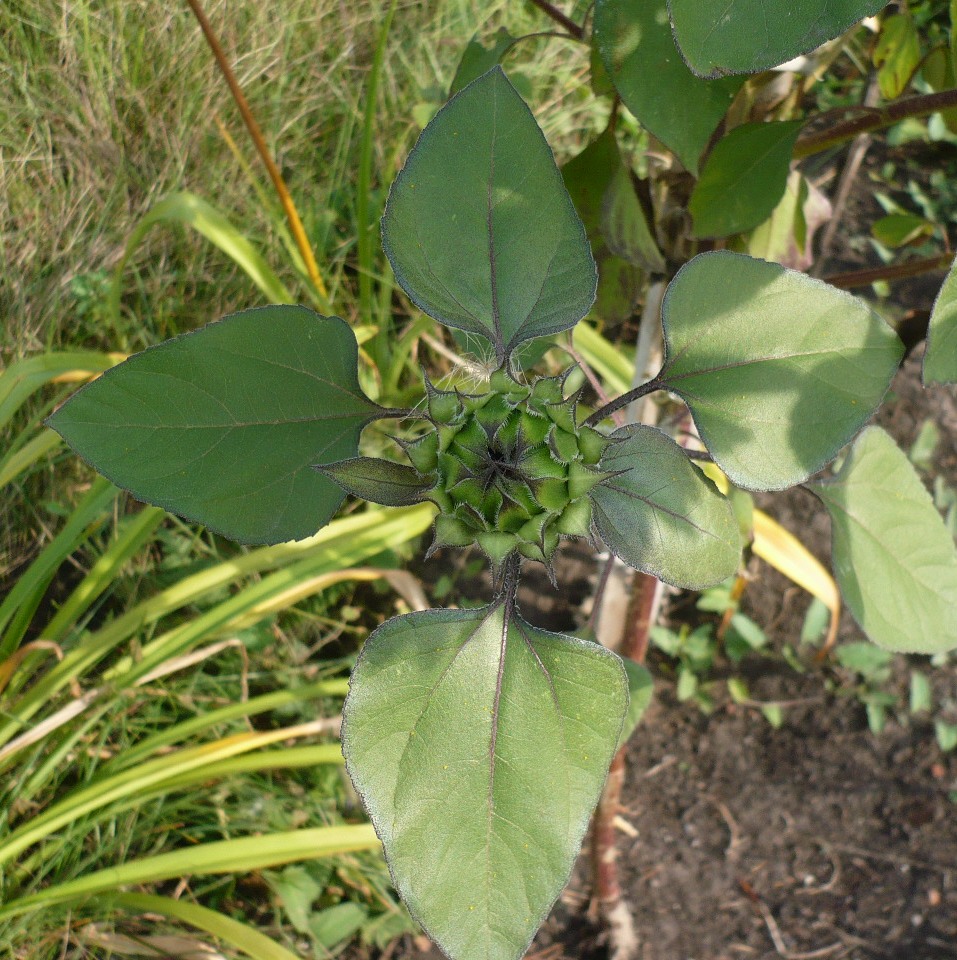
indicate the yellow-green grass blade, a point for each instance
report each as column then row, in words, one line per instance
column 20, row 460
column 22, row 379
column 18, row 607
column 288, row 758
column 136, row 781
column 239, row 935
column 136, row 532
column 241, row 855
column 189, row 209
column 343, row 543
column 206, row 721
column 610, row 362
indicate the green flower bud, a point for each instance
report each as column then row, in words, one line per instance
column 511, row 468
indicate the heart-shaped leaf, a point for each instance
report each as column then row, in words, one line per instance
column 744, row 36
column 743, row 178
column 940, row 360
column 639, row 53
column 660, row 514
column 222, row 425
column 378, row 481
column 780, row 371
column 894, row 558
column 479, row 745
column 479, row 228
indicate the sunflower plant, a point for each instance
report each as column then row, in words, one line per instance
column 478, row 741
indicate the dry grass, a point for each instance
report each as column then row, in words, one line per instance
column 110, row 104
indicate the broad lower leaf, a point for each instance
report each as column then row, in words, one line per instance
column 639, row 53
column 479, row 745
column 477, row 58
column 940, row 360
column 661, row 514
column 588, row 178
column 780, row 371
column 378, row 481
column 222, row 425
column 743, row 178
column 894, row 558
column 745, row 36
column 479, row 228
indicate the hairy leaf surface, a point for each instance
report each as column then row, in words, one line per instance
column 480, row 745
column 661, row 514
column 222, row 425
column 744, row 36
column 479, row 228
column 940, row 360
column 743, row 178
column 893, row 556
column 779, row 370
column 639, row 53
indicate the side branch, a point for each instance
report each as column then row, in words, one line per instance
column 609, row 408
column 573, row 28
column 874, row 118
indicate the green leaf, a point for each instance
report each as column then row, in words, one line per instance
column 938, row 71
column 639, row 53
column 940, row 360
column 625, row 227
column 779, row 370
column 896, row 54
column 641, row 688
column 223, row 424
column 477, row 58
column 743, row 178
column 921, row 694
column 378, row 481
column 745, row 36
column 479, row 228
column 897, row 229
column 338, row 923
column 660, row 514
column 894, row 559
column 479, row 745
column 869, row 661
column 588, row 177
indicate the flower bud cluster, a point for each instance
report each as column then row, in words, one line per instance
column 511, row 468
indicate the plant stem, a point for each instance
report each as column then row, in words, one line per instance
column 650, row 387
column 608, row 895
column 292, row 215
column 897, row 271
column 573, row 28
column 877, row 118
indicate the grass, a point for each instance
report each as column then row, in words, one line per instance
column 110, row 106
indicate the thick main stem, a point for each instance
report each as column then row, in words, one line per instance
column 292, row 215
